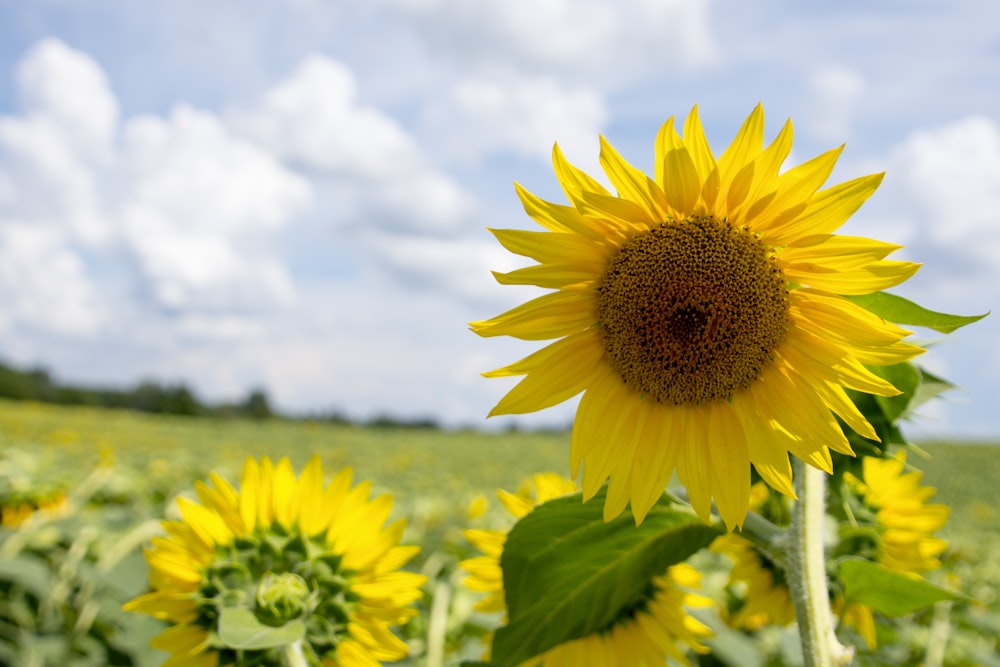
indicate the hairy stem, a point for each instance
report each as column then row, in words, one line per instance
column 293, row 656
column 806, row 572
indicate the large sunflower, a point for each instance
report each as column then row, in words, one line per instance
column 645, row 633
column 285, row 550
column 702, row 314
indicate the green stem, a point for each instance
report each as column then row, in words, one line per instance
column 293, row 656
column 806, row 572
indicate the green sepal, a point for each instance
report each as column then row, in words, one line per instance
column 886, row 591
column 568, row 573
column 239, row 629
column 903, row 311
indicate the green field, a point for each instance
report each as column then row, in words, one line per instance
column 122, row 470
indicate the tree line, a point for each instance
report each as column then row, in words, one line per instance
column 37, row 384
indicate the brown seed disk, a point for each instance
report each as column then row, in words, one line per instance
column 692, row 311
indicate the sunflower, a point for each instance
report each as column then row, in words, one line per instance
column 702, row 314
column 285, row 549
column 645, row 633
column 904, row 522
column 763, row 597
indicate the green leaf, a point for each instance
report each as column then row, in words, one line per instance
column 930, row 387
column 29, row 572
column 903, row 311
column 887, row 591
column 567, row 573
column 240, row 629
column 906, row 378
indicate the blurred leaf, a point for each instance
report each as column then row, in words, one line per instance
column 567, row 573
column 29, row 572
column 240, row 629
column 903, row 311
column 887, row 591
column 930, row 387
column 906, row 378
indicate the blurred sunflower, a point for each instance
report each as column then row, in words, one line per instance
column 284, row 550
column 761, row 596
column 644, row 635
column 701, row 313
column 905, row 524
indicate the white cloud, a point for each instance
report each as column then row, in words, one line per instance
column 69, row 90
column 951, row 177
column 449, row 266
column 587, row 40
column 198, row 210
column 194, row 205
column 314, row 119
column 43, row 283
column 520, row 115
column 836, row 89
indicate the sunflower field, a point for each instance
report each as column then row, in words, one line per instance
column 744, row 494
column 83, row 492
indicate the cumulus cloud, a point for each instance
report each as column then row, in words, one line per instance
column 951, row 175
column 198, row 208
column 182, row 200
column 836, row 90
column 587, row 40
column 314, row 119
column 44, row 284
column 519, row 115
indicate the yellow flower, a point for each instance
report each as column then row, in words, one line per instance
column 904, row 522
column 643, row 636
column 702, row 314
column 764, row 598
column 285, row 549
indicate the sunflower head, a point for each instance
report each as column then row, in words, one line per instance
column 704, row 313
column 644, row 632
column 286, row 558
column 905, row 522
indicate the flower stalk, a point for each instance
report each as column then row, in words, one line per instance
column 806, row 572
column 292, row 655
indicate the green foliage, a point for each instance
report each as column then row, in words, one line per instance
column 887, row 592
column 239, row 629
column 903, row 311
column 568, row 573
column 123, row 469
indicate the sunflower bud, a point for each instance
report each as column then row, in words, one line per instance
column 281, row 598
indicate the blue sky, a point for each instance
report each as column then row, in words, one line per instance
column 295, row 195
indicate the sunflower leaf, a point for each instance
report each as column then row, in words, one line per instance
column 239, row 629
column 887, row 591
column 903, row 311
column 568, row 573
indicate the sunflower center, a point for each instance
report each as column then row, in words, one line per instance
column 692, row 311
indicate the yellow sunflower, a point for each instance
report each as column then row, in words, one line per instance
column 285, row 549
column 763, row 596
column 702, row 313
column 905, row 525
column 644, row 635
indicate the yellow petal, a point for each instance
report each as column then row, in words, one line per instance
column 555, row 373
column 549, row 316
column 249, row 492
column 631, row 183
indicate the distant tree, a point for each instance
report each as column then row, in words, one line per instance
column 257, row 405
column 180, row 400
